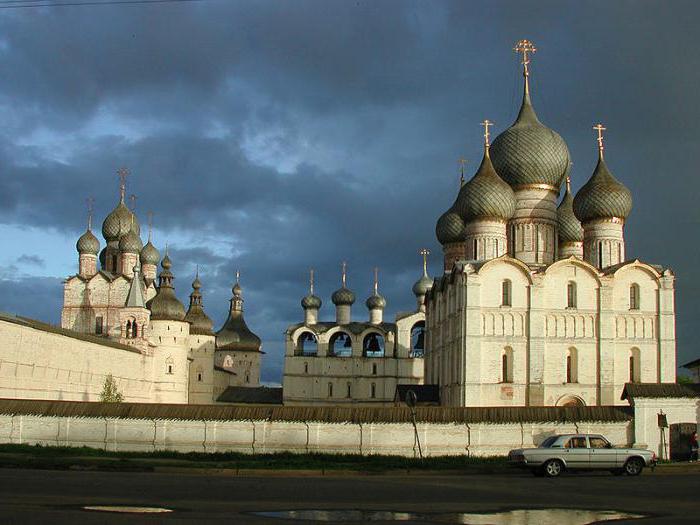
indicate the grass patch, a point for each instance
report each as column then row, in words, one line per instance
column 32, row 455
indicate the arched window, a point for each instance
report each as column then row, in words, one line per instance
column 634, row 296
column 374, row 369
column 348, row 394
column 199, row 374
column 507, row 365
column 127, row 329
column 169, row 366
column 506, row 291
column 306, row 368
column 307, row 344
column 373, row 345
column 114, row 264
column 572, row 365
column 373, row 391
column 635, row 370
column 340, row 345
column 330, row 389
column 600, row 254
column 475, row 250
column 418, row 339
column 571, row 294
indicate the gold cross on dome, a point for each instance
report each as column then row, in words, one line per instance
column 525, row 47
column 599, row 128
column 487, row 123
column 238, row 276
column 462, row 161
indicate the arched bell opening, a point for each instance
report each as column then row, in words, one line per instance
column 340, row 345
column 418, row 339
column 373, row 345
column 307, row 344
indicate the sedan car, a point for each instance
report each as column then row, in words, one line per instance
column 581, row 451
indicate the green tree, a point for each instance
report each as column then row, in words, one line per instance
column 684, row 380
column 110, row 393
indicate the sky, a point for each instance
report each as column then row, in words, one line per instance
column 273, row 137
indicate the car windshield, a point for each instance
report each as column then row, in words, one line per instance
column 549, row 442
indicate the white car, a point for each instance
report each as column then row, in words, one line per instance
column 581, row 451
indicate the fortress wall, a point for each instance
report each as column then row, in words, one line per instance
column 41, row 364
column 264, row 436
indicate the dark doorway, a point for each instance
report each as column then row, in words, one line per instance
column 679, row 440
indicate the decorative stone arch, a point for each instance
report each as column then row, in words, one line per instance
column 505, row 259
column 340, row 344
column 418, row 333
column 306, row 343
column 639, row 265
column 579, row 263
column 569, row 400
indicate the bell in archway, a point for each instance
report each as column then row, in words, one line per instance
column 348, row 342
column 373, row 345
column 420, row 341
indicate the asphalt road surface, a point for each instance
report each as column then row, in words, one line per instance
column 56, row 497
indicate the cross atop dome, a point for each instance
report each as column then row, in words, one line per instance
column 462, row 161
column 311, row 281
column 425, row 252
column 90, row 208
column 345, row 268
column 122, row 173
column 599, row 128
column 486, row 123
column 526, row 48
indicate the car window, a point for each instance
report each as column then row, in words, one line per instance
column 598, row 442
column 549, row 442
column 576, row 442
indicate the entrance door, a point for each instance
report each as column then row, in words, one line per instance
column 679, row 440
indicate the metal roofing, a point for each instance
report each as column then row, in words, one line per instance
column 655, row 390
column 319, row 414
column 260, row 395
column 692, row 364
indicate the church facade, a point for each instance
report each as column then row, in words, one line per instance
column 121, row 319
column 539, row 303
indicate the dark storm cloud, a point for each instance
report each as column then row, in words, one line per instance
column 33, row 260
column 275, row 136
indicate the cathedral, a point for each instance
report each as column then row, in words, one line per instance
column 538, row 303
column 120, row 319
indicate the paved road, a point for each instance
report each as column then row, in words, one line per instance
column 56, row 497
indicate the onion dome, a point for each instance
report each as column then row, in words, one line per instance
column 529, row 152
column 103, row 257
column 450, row 227
column 130, row 243
column 235, row 334
column 165, row 305
column 603, row 196
column 425, row 283
column 149, row 254
column 88, row 243
column 119, row 222
column 376, row 301
column 200, row 323
column 311, row 301
column 343, row 296
column 568, row 225
column 486, row 195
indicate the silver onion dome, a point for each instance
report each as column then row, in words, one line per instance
column 149, row 254
column 568, row 226
column 603, row 196
column 165, row 305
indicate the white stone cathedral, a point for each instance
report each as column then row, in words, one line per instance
column 539, row 304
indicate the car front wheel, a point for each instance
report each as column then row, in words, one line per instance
column 553, row 468
column 634, row 467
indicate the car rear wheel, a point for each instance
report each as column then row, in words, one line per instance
column 553, row 468
column 634, row 467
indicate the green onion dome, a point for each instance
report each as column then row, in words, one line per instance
column 130, row 243
column 376, row 302
column 343, row 296
column 568, row 226
column 311, row 301
column 529, row 153
column 602, row 197
column 119, row 222
column 149, row 254
column 88, row 243
column 200, row 323
column 486, row 195
column 450, row 227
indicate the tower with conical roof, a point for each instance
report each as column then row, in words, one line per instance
column 533, row 160
column 569, row 230
column 88, row 247
column 237, row 347
column 202, row 345
column 169, row 336
column 603, row 205
column 149, row 255
column 134, row 317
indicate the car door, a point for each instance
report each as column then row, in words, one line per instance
column 576, row 452
column 602, row 455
